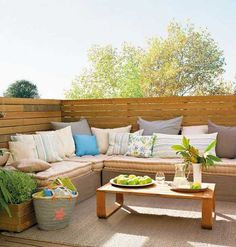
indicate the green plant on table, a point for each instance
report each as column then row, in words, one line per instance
column 191, row 154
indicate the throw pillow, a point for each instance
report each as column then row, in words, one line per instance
column 140, row 146
column 163, row 143
column 226, row 140
column 194, row 130
column 4, row 157
column 31, row 165
column 22, row 150
column 37, row 139
column 171, row 126
column 53, row 149
column 102, row 136
column 118, row 142
column 86, row 145
column 66, row 139
column 80, row 127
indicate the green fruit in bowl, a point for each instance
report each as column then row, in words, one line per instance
column 122, row 180
column 196, row 186
column 142, row 180
column 148, row 179
column 131, row 181
column 132, row 176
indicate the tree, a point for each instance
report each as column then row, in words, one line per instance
column 22, row 89
column 187, row 62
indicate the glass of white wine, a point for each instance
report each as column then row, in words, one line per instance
column 160, row 177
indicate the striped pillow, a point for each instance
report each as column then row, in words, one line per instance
column 52, row 146
column 41, row 153
column 118, row 142
column 163, row 143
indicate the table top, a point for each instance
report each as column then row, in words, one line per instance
column 163, row 190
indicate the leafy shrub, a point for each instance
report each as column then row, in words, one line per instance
column 5, row 196
column 21, row 186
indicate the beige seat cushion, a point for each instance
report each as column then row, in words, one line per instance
column 97, row 160
column 141, row 164
column 123, row 163
column 63, row 169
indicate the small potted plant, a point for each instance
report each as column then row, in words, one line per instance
column 16, row 206
column 192, row 156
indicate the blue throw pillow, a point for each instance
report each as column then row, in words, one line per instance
column 86, row 145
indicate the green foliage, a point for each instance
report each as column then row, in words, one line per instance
column 5, row 196
column 191, row 154
column 187, row 62
column 21, row 186
column 22, row 89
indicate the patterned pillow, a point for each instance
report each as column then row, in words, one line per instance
column 140, row 146
column 118, row 142
column 163, row 143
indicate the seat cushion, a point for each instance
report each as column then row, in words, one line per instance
column 63, row 169
column 96, row 160
column 141, row 164
column 226, row 167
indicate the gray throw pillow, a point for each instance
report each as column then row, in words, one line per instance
column 170, row 127
column 80, row 127
column 226, row 144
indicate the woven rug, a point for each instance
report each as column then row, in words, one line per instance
column 146, row 221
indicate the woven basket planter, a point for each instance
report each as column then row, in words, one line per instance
column 53, row 213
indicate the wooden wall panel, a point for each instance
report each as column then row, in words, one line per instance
column 107, row 113
column 26, row 116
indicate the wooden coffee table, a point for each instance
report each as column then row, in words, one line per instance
column 207, row 197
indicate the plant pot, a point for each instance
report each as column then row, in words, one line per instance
column 23, row 217
column 197, row 172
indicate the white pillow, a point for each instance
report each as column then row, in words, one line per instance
column 102, row 136
column 22, row 150
column 163, row 143
column 118, row 142
column 52, row 146
column 66, row 139
column 194, row 130
column 37, row 139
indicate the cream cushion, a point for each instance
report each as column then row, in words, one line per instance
column 52, row 145
column 66, row 140
column 31, row 165
column 102, row 136
column 194, row 130
column 37, row 139
column 163, row 143
column 22, row 150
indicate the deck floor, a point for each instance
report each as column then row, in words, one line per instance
column 6, row 241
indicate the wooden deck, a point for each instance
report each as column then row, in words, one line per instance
column 6, row 241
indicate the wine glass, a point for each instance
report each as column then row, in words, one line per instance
column 160, row 177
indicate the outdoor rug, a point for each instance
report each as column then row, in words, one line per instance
column 146, row 221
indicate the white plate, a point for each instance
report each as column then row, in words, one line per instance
column 203, row 188
column 131, row 186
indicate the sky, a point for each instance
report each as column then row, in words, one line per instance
column 46, row 41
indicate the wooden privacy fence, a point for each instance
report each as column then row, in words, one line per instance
column 108, row 113
column 30, row 115
column 26, row 116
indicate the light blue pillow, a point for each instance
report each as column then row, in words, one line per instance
column 86, row 145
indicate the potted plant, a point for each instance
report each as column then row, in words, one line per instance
column 4, row 154
column 192, row 156
column 16, row 207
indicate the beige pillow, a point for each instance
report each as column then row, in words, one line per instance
column 195, row 130
column 102, row 136
column 4, row 157
column 66, row 140
column 31, row 165
column 22, row 150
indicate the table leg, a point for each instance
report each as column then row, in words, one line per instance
column 208, row 208
column 102, row 211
